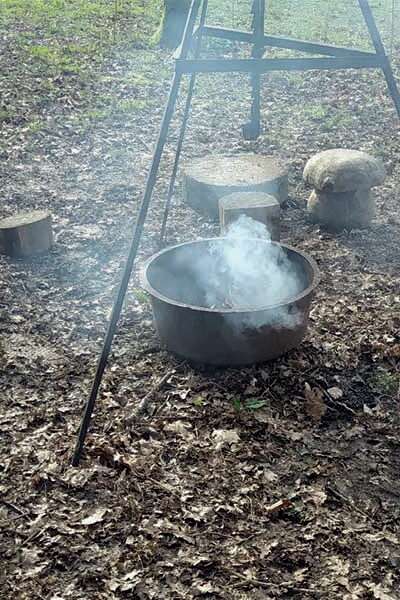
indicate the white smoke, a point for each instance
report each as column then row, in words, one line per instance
column 242, row 273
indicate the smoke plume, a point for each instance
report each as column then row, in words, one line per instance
column 243, row 273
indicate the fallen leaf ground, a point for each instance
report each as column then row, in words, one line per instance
column 276, row 481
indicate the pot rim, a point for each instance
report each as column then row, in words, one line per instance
column 146, row 285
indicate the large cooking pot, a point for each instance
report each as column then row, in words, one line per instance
column 219, row 335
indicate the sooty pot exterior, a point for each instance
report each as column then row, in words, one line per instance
column 233, row 339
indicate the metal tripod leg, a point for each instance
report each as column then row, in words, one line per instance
column 380, row 50
column 116, row 311
column 251, row 131
column 182, row 132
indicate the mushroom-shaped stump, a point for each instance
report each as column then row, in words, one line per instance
column 342, row 180
column 208, row 179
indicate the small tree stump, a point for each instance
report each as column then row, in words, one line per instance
column 208, row 179
column 26, row 234
column 342, row 180
column 256, row 205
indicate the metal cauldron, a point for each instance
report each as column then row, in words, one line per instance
column 223, row 336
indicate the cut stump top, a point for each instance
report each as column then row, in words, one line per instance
column 236, row 170
column 209, row 178
column 24, row 219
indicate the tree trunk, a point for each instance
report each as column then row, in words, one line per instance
column 173, row 22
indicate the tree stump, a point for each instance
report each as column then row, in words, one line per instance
column 26, row 234
column 342, row 210
column 342, row 181
column 263, row 208
column 208, row 179
column 173, row 22
column 340, row 170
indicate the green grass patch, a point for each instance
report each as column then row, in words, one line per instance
column 95, row 19
column 112, row 110
column 198, row 401
column 54, row 54
column 141, row 297
column 55, row 50
column 328, row 118
column 7, row 115
column 385, row 382
column 130, row 105
column 35, row 125
column 58, row 61
column 338, row 22
column 316, row 112
column 64, row 35
column 250, row 404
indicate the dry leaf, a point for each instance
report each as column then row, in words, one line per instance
column 300, row 574
column 382, row 536
column 393, row 351
column 380, row 593
column 335, row 392
column 338, row 566
column 177, row 427
column 181, row 428
column 295, row 436
column 315, row 406
column 318, row 496
column 132, row 575
column 205, row 588
column 270, row 476
column 95, row 517
column 225, row 436
column 355, row 593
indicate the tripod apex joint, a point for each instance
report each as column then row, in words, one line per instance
column 333, row 57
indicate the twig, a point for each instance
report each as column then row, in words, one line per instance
column 280, row 505
column 145, row 145
column 254, row 581
column 146, row 351
column 31, row 537
column 163, row 486
column 333, row 400
column 339, row 403
column 144, row 403
column 14, row 507
column 251, row 537
column 348, row 501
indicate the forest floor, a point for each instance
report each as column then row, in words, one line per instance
column 256, row 483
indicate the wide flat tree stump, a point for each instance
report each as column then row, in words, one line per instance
column 27, row 234
column 261, row 207
column 207, row 179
